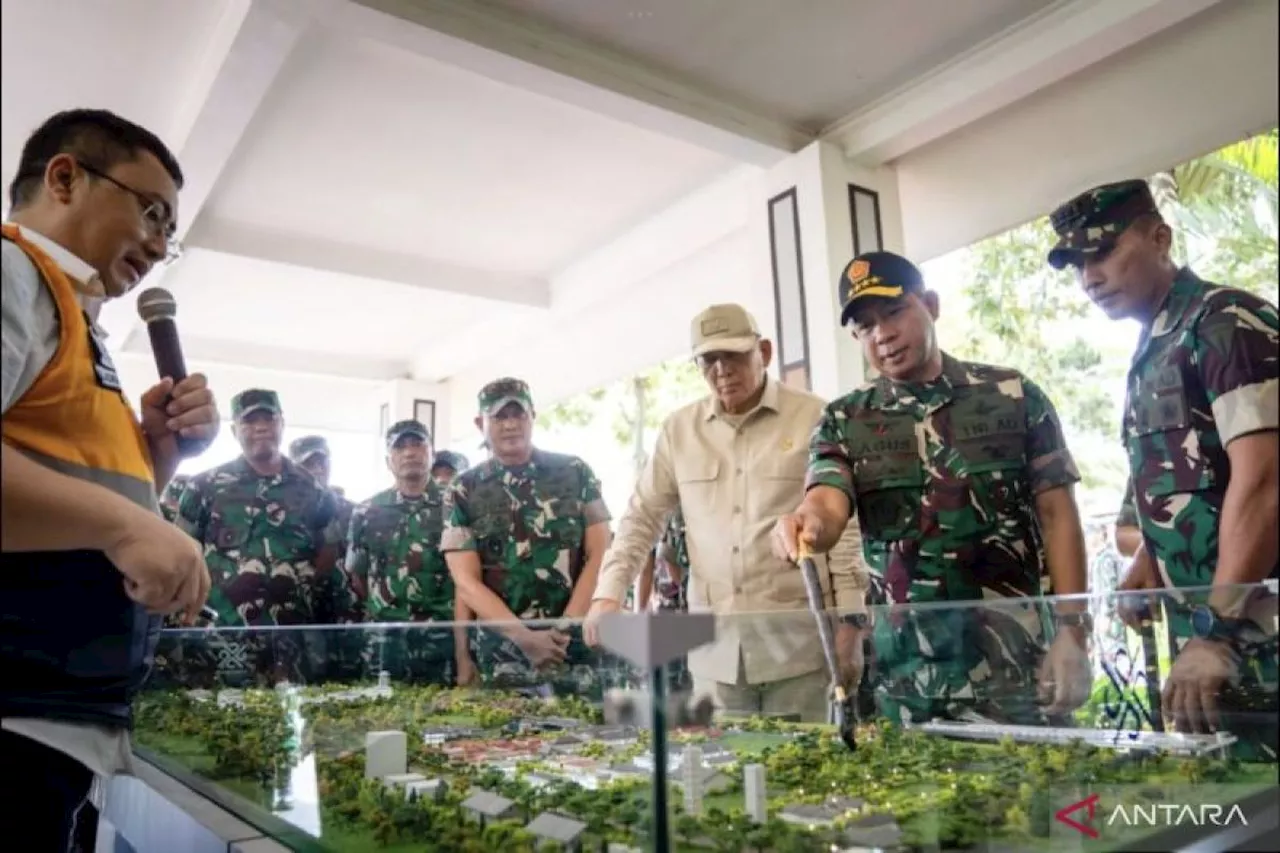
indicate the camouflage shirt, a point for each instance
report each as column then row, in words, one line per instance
column 170, row 497
column 261, row 538
column 528, row 525
column 672, row 551
column 1205, row 372
column 394, row 571
column 943, row 477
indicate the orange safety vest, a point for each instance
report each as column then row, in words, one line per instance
column 73, row 645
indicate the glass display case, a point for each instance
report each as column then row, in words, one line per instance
column 1002, row 724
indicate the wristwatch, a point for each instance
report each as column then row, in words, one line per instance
column 1074, row 619
column 857, row 620
column 1208, row 625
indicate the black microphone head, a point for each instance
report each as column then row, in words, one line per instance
column 156, row 303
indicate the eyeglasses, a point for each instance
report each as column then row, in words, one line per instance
column 708, row 360
column 156, row 214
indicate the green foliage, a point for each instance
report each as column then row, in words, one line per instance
column 1018, row 312
column 942, row 793
column 631, row 408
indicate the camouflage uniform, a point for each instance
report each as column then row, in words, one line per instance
column 172, row 493
column 528, row 525
column 300, row 450
column 943, row 477
column 394, row 572
column 450, row 460
column 1205, row 372
column 1128, row 514
column 673, row 551
column 263, row 537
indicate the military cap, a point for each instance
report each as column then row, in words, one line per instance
column 400, row 429
column 1093, row 220
column 500, row 392
column 450, row 459
column 723, row 328
column 254, row 400
column 881, row 274
column 302, row 449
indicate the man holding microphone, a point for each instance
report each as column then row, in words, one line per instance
column 90, row 564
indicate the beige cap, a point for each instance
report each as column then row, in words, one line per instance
column 724, row 328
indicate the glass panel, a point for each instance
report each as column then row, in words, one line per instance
column 788, row 285
column 866, row 220
column 1008, row 722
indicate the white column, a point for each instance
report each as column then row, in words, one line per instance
column 691, row 774
column 755, row 793
column 428, row 402
column 814, row 210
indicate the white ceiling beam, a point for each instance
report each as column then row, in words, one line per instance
column 1036, row 53
column 257, row 356
column 612, row 271
column 251, row 241
column 524, row 53
column 245, row 52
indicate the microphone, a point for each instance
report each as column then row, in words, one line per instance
column 157, row 308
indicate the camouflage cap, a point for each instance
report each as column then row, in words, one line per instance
column 302, row 449
column 880, row 274
column 401, row 429
column 450, row 459
column 723, row 328
column 500, row 392
column 1093, row 220
column 254, row 400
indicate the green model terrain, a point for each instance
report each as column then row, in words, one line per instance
column 956, row 795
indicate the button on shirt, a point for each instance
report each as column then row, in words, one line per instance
column 733, row 476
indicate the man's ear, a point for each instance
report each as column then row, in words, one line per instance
column 766, row 352
column 1163, row 237
column 235, row 430
column 932, row 302
column 479, row 422
column 60, row 177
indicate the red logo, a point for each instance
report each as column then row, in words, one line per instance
column 1090, row 803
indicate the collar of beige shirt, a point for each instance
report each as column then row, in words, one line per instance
column 768, row 400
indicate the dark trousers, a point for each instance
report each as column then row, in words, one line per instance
column 44, row 799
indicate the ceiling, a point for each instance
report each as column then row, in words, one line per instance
column 808, row 63
column 387, row 188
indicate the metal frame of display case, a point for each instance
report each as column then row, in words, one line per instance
column 164, row 808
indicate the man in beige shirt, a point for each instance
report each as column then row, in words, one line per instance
column 734, row 462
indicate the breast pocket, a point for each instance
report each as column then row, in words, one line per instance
column 698, row 484
column 888, row 490
column 1163, row 443
column 990, row 438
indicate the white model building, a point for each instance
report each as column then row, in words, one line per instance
column 691, row 773
column 757, row 806
column 385, row 754
column 384, row 684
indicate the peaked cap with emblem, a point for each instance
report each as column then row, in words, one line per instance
column 400, row 429
column 498, row 393
column 302, row 449
column 876, row 274
column 723, row 328
column 450, row 459
column 1092, row 221
column 254, row 400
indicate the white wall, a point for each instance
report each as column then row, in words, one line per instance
column 1188, row 91
column 642, row 323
